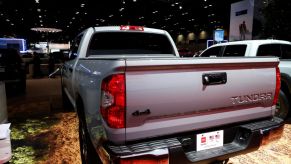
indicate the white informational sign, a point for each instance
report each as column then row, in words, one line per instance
column 241, row 20
column 209, row 140
column 219, row 35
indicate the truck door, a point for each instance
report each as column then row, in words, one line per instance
column 68, row 67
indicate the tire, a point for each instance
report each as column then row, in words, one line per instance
column 283, row 106
column 87, row 150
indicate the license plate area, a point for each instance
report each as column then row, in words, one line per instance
column 209, row 140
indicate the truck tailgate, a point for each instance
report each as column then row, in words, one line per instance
column 167, row 96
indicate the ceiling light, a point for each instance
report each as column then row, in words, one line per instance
column 82, row 5
column 121, row 9
column 12, row 24
column 180, row 7
column 209, row 5
column 40, row 20
column 110, row 16
column 134, row 0
column 38, row 10
column 39, row 16
column 176, row 3
column 7, row 20
column 36, row 1
column 77, row 12
column 85, row 13
column 73, row 18
column 173, row 4
column 56, row 21
column 68, row 26
column 41, row 25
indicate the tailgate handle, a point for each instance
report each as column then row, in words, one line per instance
column 214, row 78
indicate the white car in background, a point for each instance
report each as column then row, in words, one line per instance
column 253, row 48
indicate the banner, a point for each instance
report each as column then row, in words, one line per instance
column 241, row 20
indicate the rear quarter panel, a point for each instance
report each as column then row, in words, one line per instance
column 89, row 75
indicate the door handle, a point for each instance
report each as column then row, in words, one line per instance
column 214, row 78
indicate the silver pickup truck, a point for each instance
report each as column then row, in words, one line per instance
column 138, row 102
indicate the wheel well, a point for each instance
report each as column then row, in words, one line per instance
column 285, row 89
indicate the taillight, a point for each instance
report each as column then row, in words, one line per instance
column 112, row 104
column 278, row 85
column 134, row 28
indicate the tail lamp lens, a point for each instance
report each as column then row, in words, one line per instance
column 113, row 100
column 278, row 85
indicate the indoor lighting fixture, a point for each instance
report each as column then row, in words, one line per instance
column 44, row 29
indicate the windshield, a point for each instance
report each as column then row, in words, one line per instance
column 130, row 43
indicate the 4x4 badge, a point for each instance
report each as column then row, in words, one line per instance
column 139, row 113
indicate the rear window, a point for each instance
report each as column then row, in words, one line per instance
column 269, row 50
column 235, row 50
column 130, row 43
column 286, row 51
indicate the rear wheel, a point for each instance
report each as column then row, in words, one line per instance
column 282, row 107
column 221, row 162
column 87, row 150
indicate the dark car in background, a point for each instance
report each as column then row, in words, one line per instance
column 12, row 71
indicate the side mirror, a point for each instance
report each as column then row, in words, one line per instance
column 66, row 56
column 72, row 56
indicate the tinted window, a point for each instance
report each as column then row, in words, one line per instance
column 214, row 51
column 112, row 43
column 235, row 50
column 286, row 51
column 75, row 46
column 269, row 50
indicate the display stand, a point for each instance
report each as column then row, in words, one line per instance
column 5, row 144
column 5, row 150
column 3, row 105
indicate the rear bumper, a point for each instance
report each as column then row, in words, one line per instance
column 238, row 139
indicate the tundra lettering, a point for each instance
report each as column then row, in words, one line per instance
column 253, row 98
